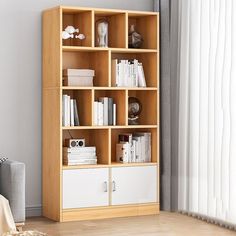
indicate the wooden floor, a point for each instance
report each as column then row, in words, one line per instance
column 166, row 224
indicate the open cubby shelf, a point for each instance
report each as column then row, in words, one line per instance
column 95, row 60
column 101, row 137
column 73, row 53
column 98, row 138
column 85, row 97
column 146, row 23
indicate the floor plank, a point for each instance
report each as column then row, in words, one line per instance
column 165, row 224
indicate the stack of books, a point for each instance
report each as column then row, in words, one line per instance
column 70, row 115
column 78, row 77
column 128, row 73
column 104, row 111
column 79, row 156
column 134, row 147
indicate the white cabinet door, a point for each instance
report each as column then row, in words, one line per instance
column 134, row 185
column 85, row 188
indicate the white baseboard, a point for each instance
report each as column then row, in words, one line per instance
column 33, row 211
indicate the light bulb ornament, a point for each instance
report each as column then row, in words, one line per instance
column 134, row 110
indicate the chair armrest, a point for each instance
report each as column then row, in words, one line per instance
column 12, row 187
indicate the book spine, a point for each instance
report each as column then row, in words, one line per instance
column 68, row 110
column 71, row 112
column 141, row 76
column 110, row 111
column 79, row 149
column 100, row 113
column 105, row 111
column 95, row 113
column 64, row 110
column 114, row 114
column 76, row 115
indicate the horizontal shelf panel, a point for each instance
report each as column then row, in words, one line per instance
column 109, row 88
column 116, row 164
column 113, row 50
column 64, row 167
column 74, row 9
column 113, row 164
column 82, row 49
column 132, row 50
column 110, row 127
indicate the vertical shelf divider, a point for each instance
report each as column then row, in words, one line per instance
column 126, row 107
column 93, row 29
column 92, row 107
column 109, row 68
column 126, row 30
column 109, row 146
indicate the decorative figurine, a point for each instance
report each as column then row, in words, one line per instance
column 134, row 110
column 102, row 33
column 80, row 36
column 135, row 39
column 66, row 35
column 70, row 32
column 71, row 29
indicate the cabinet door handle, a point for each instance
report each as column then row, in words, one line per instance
column 105, row 186
column 113, row 186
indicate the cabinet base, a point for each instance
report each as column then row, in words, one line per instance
column 109, row 212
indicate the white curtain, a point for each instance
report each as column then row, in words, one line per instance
column 207, row 108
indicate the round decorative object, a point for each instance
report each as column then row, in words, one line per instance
column 66, row 35
column 135, row 39
column 71, row 29
column 134, row 110
column 102, row 33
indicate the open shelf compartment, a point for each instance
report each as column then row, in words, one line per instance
column 96, row 137
column 82, row 20
column 149, row 61
column 84, row 102
column 146, row 25
column 115, row 139
column 116, row 28
column 94, row 60
column 147, row 116
column 119, row 98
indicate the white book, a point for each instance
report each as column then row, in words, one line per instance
column 68, row 110
column 82, row 81
column 72, row 117
column 115, row 71
column 147, row 145
column 114, row 114
column 82, row 162
column 78, row 157
column 79, row 149
column 104, row 101
column 135, row 71
column 100, row 113
column 122, row 73
column 64, row 110
column 133, row 151
column 78, row 72
column 95, row 113
column 138, row 151
column 141, row 76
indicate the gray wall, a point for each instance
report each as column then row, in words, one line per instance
column 20, row 82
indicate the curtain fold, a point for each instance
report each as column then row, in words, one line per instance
column 207, row 114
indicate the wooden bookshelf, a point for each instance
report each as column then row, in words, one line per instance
column 62, row 183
